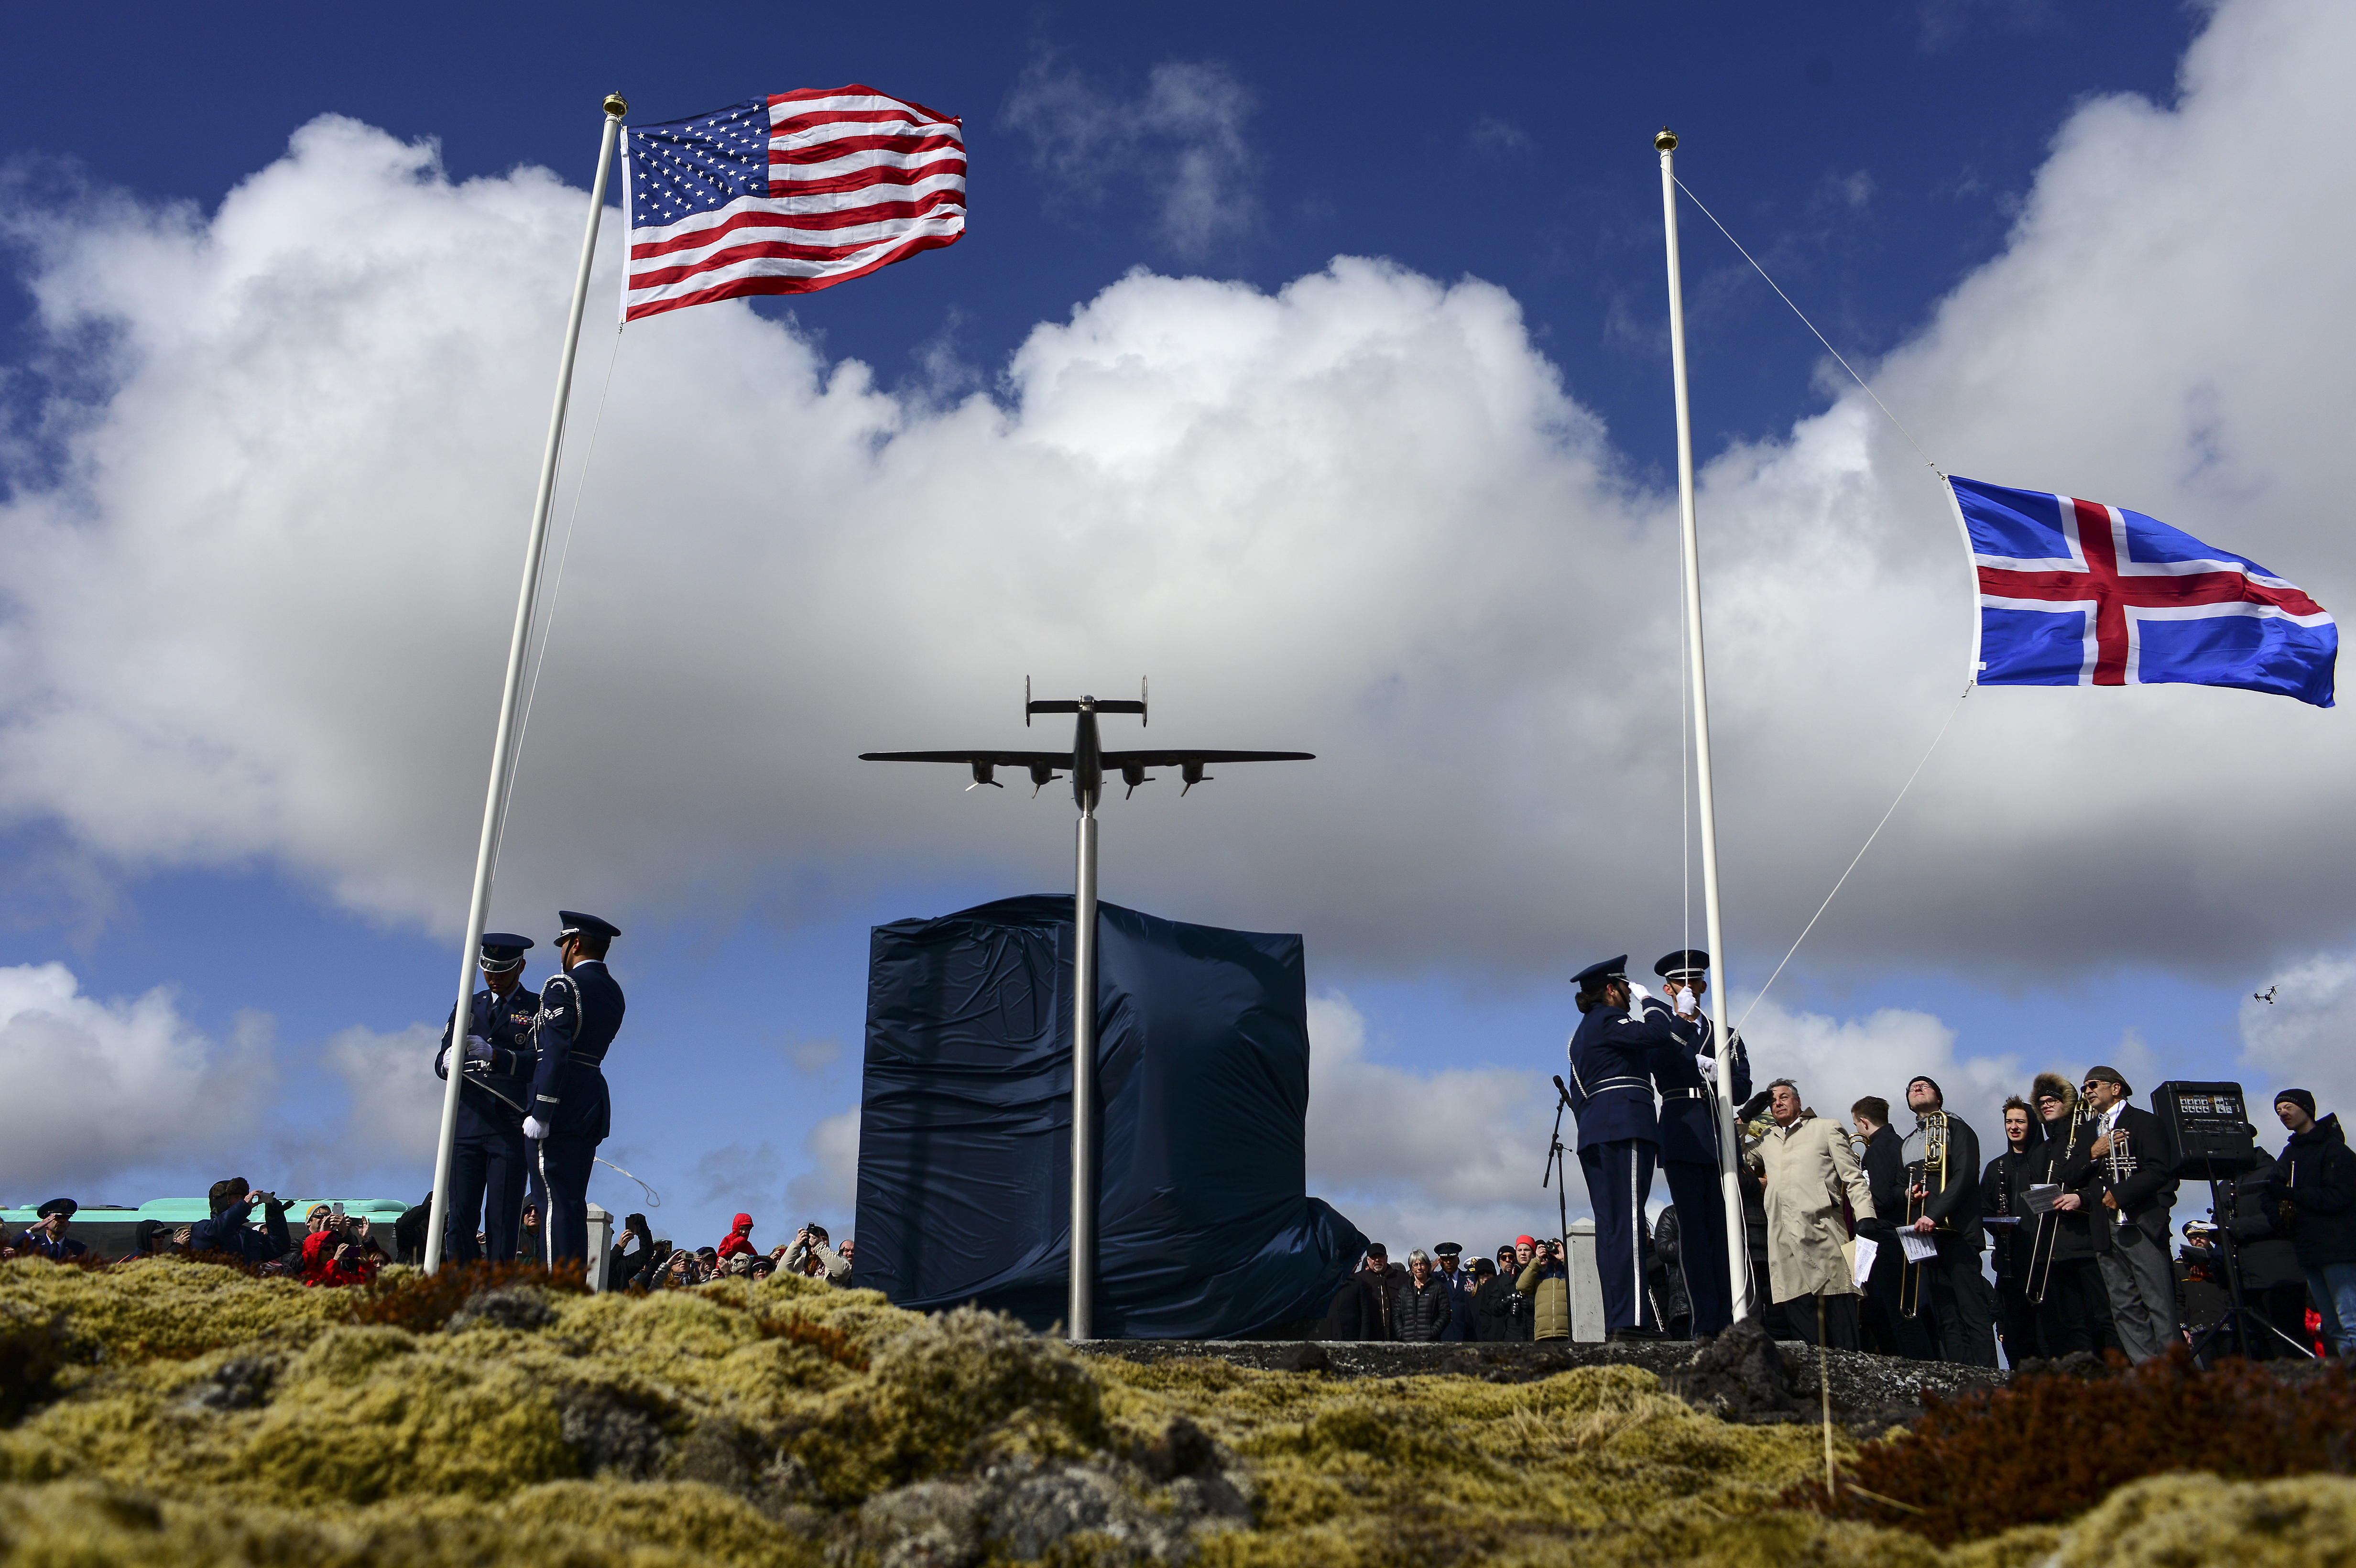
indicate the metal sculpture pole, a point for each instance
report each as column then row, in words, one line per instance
column 1082, row 1306
column 503, row 742
column 1737, row 1232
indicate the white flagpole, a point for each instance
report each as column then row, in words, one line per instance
column 1737, row 1246
column 495, row 801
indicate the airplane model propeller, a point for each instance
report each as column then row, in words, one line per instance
column 1087, row 763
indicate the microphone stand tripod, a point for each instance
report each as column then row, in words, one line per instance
column 2240, row 1319
column 1556, row 1163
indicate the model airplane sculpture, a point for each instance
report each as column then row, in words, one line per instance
column 1087, row 763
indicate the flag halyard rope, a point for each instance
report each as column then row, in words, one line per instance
column 1927, row 460
column 1971, row 677
column 1869, row 838
column 555, row 588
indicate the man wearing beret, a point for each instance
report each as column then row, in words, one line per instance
column 570, row 1111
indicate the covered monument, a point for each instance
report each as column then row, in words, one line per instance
column 1205, row 1225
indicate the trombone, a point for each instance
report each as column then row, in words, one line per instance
column 2049, row 1225
column 1926, row 1177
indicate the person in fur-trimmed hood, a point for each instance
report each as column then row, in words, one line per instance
column 2074, row 1312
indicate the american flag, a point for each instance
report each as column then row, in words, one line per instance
column 786, row 194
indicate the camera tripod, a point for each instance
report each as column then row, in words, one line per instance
column 2242, row 1321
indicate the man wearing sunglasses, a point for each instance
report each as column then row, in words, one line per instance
column 2130, row 1219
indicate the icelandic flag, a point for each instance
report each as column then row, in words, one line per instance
column 2077, row 593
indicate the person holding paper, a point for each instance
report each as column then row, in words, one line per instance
column 2074, row 1312
column 1947, row 1240
column 1808, row 1170
column 2004, row 1204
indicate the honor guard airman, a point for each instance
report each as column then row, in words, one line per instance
column 1685, row 1068
column 490, row 1163
column 1619, row 1133
column 569, row 1112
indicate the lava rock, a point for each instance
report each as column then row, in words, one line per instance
column 611, row 1431
column 1309, row 1356
column 516, row 1306
column 242, row 1383
column 1741, row 1372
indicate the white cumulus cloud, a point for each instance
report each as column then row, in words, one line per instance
column 256, row 605
column 102, row 1089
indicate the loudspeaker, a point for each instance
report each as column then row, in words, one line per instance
column 2205, row 1131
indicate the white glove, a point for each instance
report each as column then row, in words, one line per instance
column 1687, row 1007
column 478, row 1048
column 534, row 1128
column 1708, row 1065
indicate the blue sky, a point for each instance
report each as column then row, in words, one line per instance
column 1883, row 161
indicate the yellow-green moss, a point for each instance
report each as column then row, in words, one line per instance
column 206, row 1417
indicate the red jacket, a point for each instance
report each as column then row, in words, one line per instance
column 319, row 1265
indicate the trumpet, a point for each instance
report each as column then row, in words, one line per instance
column 1925, row 1153
column 2119, row 1163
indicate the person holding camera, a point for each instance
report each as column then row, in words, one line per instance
column 810, row 1254
column 339, row 1249
column 1544, row 1284
column 228, row 1231
column 1501, row 1312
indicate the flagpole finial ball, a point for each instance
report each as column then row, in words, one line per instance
column 1666, row 141
column 616, row 105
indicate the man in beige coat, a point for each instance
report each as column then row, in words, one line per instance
column 1808, row 1166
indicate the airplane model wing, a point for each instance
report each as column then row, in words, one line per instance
column 1041, row 765
column 1132, row 766
column 1180, row 759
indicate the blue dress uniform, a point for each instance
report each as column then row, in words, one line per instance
column 489, row 1162
column 1619, row 1138
column 580, row 1013
column 1689, row 1152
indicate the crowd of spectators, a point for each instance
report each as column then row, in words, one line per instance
column 245, row 1226
column 250, row 1227
column 640, row 1259
column 1436, row 1298
column 2102, row 1279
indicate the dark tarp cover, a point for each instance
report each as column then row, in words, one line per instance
column 1204, row 1227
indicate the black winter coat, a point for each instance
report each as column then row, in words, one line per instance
column 2004, row 1190
column 2315, row 1183
column 1502, row 1312
column 1421, row 1315
column 1885, row 1176
column 2145, row 1191
column 2062, row 1161
column 1957, row 1210
column 1362, row 1309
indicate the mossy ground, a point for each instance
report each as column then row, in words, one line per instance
column 200, row 1416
